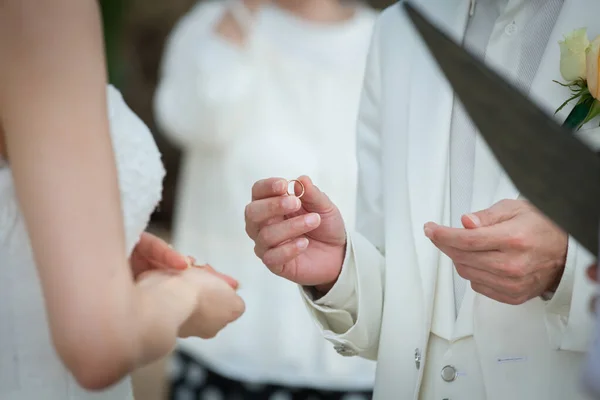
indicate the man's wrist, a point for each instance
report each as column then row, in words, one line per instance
column 324, row 288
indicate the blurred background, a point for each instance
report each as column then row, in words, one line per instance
column 135, row 32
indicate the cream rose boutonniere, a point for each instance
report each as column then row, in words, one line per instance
column 580, row 68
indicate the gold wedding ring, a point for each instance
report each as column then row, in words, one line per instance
column 291, row 189
column 191, row 262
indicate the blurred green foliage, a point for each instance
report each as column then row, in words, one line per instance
column 113, row 12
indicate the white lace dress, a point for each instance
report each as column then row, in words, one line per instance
column 29, row 366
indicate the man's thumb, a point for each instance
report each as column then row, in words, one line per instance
column 493, row 215
column 313, row 200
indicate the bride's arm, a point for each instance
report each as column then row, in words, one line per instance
column 54, row 114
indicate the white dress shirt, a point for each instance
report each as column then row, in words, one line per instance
column 463, row 131
column 493, row 29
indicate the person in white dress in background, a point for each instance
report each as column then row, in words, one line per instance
column 250, row 89
column 75, row 316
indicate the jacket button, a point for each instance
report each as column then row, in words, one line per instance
column 418, row 358
column 448, row 373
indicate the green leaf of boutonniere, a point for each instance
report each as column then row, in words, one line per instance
column 563, row 105
column 594, row 112
column 586, row 109
column 580, row 113
column 575, row 86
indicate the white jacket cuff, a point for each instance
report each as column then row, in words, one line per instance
column 559, row 302
column 350, row 315
column 568, row 319
column 336, row 311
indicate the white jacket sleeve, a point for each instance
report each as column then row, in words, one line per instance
column 350, row 314
column 205, row 83
column 568, row 317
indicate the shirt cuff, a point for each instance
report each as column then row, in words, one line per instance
column 342, row 295
column 559, row 302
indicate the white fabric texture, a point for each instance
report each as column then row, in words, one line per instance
column 29, row 366
column 283, row 105
column 463, row 131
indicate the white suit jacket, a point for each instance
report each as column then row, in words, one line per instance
column 397, row 286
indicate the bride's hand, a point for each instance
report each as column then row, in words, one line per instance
column 217, row 303
column 151, row 252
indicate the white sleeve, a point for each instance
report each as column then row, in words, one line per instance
column 205, row 83
column 568, row 318
column 350, row 314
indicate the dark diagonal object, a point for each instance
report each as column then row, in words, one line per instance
column 550, row 166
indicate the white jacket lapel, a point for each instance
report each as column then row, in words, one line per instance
column 548, row 94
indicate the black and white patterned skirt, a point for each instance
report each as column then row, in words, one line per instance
column 191, row 380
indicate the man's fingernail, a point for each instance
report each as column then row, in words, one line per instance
column 311, row 220
column 474, row 219
column 279, row 186
column 427, row 231
column 302, row 243
column 290, row 203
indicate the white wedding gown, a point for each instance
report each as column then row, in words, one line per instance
column 29, row 366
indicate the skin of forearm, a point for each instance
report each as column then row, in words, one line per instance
column 53, row 109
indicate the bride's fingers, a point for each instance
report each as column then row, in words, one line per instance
column 159, row 253
column 229, row 280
